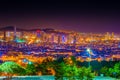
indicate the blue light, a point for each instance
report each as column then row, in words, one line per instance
column 25, row 60
column 1, row 53
column 8, row 34
column 28, row 53
column 38, row 34
column 43, row 50
column 118, row 46
column 63, row 38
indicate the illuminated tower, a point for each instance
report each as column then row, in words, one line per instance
column 107, row 35
column 112, row 35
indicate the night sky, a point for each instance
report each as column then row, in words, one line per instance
column 79, row 16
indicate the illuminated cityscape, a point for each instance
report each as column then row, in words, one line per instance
column 58, row 40
column 53, row 42
column 27, row 46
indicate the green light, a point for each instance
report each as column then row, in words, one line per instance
column 20, row 40
column 30, row 62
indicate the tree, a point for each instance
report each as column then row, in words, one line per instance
column 115, row 71
column 105, row 70
column 61, row 70
column 31, row 69
column 46, row 67
column 73, row 71
column 86, row 73
column 12, row 68
column 42, row 68
column 73, row 59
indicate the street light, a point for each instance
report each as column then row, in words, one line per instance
column 89, row 51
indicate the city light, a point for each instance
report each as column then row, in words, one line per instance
column 30, row 48
column 88, row 50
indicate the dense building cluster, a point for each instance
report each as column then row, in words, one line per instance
column 54, row 43
column 49, row 36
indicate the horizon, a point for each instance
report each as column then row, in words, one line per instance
column 58, row 30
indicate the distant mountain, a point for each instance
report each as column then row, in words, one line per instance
column 47, row 30
column 11, row 28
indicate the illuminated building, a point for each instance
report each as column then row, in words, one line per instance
column 51, row 36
